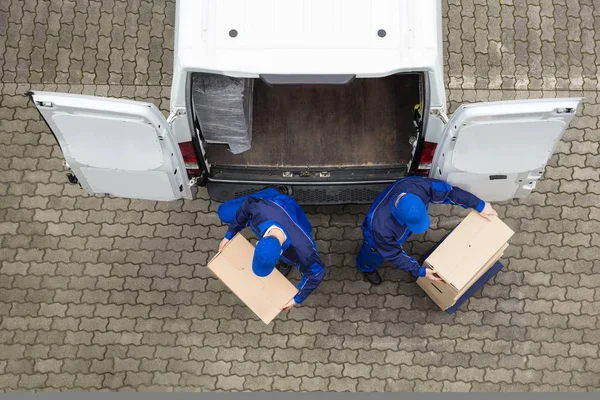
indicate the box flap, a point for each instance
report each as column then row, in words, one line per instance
column 471, row 245
column 264, row 296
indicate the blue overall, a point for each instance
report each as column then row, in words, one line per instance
column 383, row 235
column 266, row 208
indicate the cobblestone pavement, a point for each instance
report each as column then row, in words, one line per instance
column 104, row 293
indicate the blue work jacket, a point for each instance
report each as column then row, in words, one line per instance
column 299, row 247
column 386, row 235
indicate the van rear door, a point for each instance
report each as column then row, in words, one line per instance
column 119, row 147
column 499, row 150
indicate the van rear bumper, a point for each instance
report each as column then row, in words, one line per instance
column 358, row 193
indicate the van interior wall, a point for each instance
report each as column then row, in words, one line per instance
column 367, row 122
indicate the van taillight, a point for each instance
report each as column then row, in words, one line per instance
column 426, row 158
column 189, row 155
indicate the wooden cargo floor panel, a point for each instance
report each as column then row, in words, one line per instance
column 365, row 123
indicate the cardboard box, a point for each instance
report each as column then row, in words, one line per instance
column 264, row 296
column 464, row 256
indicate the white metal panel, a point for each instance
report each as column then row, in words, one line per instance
column 294, row 37
column 499, row 150
column 329, row 37
column 152, row 185
column 527, row 145
column 434, row 129
column 482, row 186
column 102, row 144
column 119, row 147
column 311, row 24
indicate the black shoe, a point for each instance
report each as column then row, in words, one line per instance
column 283, row 189
column 283, row 268
column 373, row 277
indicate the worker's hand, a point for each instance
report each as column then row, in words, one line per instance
column 488, row 212
column 289, row 305
column 223, row 244
column 432, row 274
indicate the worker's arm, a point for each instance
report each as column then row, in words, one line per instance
column 311, row 278
column 242, row 217
column 394, row 253
column 391, row 250
column 444, row 193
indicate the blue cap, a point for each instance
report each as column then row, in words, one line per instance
column 411, row 211
column 266, row 255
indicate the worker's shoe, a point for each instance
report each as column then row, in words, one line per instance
column 283, row 268
column 283, row 189
column 373, row 277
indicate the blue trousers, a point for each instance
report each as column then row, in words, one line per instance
column 368, row 258
column 228, row 210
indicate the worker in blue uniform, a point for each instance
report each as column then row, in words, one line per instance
column 284, row 233
column 398, row 212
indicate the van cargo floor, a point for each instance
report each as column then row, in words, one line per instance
column 365, row 123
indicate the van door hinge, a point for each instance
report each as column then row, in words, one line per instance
column 324, row 174
column 440, row 113
column 175, row 113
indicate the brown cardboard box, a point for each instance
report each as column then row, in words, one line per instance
column 264, row 296
column 464, row 256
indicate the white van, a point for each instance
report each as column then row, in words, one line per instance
column 320, row 96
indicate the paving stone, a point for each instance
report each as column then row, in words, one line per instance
column 19, row 367
column 428, row 386
column 342, row 384
column 569, row 335
column 287, row 384
column 263, row 383
column 357, row 370
column 50, row 365
column 138, row 378
column 74, row 366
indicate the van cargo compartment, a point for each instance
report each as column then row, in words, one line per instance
column 365, row 123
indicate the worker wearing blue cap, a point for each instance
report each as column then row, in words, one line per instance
column 400, row 211
column 284, row 233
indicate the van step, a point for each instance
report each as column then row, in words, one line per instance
column 304, row 194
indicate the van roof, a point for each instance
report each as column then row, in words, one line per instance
column 368, row 38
